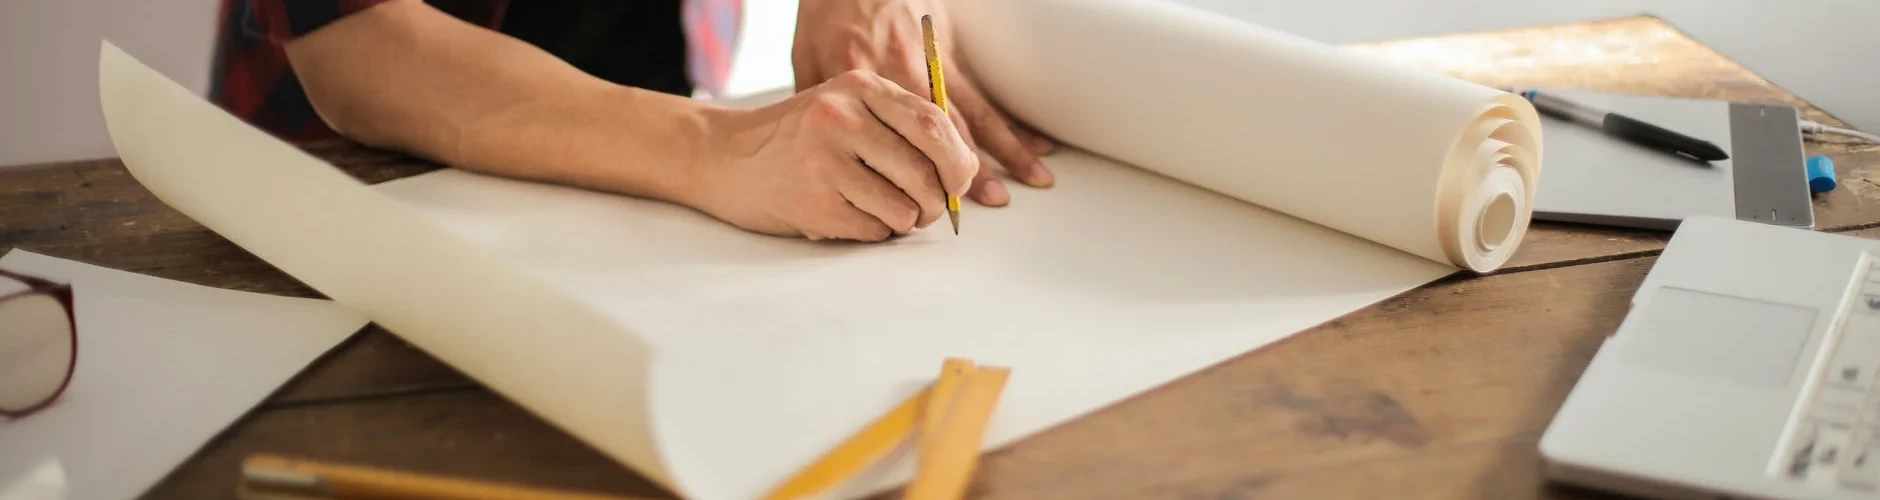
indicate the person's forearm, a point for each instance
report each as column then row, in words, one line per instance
column 406, row 76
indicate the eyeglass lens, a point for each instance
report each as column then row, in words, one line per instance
column 35, row 347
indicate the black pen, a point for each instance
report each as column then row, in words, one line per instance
column 1626, row 127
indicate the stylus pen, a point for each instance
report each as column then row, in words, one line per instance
column 1626, row 127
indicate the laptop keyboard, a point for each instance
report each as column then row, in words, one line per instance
column 1832, row 440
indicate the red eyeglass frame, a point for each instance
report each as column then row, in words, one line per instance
column 62, row 293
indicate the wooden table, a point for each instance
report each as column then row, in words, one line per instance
column 1441, row 392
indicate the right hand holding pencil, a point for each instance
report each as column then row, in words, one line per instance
column 852, row 158
column 884, row 36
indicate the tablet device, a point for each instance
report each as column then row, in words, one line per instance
column 1594, row 178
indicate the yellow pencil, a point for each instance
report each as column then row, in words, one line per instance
column 273, row 477
column 937, row 85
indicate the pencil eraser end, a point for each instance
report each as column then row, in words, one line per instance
column 1820, row 174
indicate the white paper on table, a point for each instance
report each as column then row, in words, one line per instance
column 717, row 362
column 163, row 366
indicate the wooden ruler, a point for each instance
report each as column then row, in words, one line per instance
column 947, row 420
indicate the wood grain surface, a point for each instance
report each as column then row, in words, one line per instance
column 1439, row 393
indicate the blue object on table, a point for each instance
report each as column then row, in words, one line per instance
column 1820, row 174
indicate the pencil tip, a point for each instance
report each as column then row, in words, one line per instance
column 955, row 217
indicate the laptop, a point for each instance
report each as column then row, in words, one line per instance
column 1592, row 178
column 1745, row 368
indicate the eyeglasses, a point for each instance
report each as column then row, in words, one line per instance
column 38, row 342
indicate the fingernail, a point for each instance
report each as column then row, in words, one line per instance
column 1040, row 177
column 995, row 194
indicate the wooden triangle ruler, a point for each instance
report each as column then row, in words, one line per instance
column 947, row 420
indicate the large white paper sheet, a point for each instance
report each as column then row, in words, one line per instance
column 163, row 366
column 772, row 350
column 718, row 361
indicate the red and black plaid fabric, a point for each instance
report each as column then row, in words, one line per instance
column 251, row 75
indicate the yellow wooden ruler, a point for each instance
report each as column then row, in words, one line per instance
column 947, row 420
column 950, row 453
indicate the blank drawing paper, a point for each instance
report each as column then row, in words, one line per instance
column 1224, row 186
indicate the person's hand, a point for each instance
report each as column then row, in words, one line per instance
column 884, row 36
column 853, row 158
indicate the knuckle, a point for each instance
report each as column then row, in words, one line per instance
column 906, row 216
column 833, row 110
column 933, row 123
column 929, row 212
column 857, row 79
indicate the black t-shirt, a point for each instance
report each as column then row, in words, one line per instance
column 639, row 43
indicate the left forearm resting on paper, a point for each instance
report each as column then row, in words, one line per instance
column 406, row 76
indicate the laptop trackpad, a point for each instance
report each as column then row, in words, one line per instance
column 1749, row 341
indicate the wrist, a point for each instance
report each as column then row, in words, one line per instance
column 641, row 143
column 727, row 137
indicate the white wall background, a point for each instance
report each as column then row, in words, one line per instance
column 49, row 67
column 1828, row 51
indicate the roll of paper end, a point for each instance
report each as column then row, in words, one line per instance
column 1820, row 174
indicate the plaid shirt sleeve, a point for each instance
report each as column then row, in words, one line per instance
column 251, row 76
